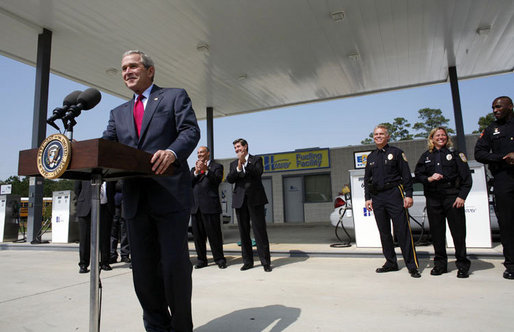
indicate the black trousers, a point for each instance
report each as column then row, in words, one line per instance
column 387, row 206
column 504, row 198
column 440, row 209
column 161, row 268
column 208, row 226
column 256, row 214
column 104, row 237
column 119, row 235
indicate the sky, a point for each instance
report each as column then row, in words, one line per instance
column 329, row 124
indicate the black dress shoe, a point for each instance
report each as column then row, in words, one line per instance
column 222, row 265
column 106, row 267
column 414, row 273
column 200, row 265
column 461, row 273
column 437, row 271
column 125, row 259
column 384, row 269
column 246, row 267
column 83, row 269
column 113, row 260
column 508, row 275
column 267, row 268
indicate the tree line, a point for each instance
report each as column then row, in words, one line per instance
column 20, row 186
column 429, row 118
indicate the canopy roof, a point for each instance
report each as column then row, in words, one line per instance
column 241, row 56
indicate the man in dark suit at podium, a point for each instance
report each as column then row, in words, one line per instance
column 162, row 122
column 205, row 214
column 249, row 198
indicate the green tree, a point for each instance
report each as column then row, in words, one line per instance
column 484, row 122
column 19, row 186
column 49, row 186
column 398, row 130
column 431, row 118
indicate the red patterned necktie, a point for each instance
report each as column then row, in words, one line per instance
column 139, row 110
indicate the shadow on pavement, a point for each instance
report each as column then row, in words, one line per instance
column 272, row 318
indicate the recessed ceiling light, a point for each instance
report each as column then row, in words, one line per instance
column 111, row 71
column 483, row 30
column 355, row 56
column 337, row 16
column 202, row 47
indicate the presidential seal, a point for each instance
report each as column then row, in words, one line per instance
column 53, row 156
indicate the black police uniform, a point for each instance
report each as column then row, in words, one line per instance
column 386, row 178
column 440, row 196
column 494, row 143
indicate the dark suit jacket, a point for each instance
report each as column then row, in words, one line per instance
column 169, row 122
column 247, row 183
column 83, row 193
column 205, row 189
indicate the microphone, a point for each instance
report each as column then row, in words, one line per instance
column 85, row 101
column 59, row 112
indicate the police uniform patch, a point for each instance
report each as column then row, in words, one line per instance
column 463, row 157
column 403, row 156
column 390, row 156
column 496, row 131
column 449, row 157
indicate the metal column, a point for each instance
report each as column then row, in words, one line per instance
column 210, row 132
column 457, row 111
column 35, row 209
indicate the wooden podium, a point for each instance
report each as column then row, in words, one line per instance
column 96, row 156
column 96, row 160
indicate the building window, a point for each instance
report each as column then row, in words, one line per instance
column 317, row 188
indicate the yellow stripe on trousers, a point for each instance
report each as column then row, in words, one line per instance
column 400, row 187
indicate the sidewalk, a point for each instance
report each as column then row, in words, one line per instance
column 313, row 287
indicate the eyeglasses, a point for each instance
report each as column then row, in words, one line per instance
column 497, row 106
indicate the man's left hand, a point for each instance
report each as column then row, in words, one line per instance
column 161, row 160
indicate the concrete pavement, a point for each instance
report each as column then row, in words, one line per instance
column 312, row 288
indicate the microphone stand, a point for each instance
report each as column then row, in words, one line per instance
column 94, row 280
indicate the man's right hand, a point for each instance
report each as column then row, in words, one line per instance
column 369, row 205
column 240, row 160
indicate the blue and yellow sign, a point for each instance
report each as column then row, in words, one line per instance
column 296, row 161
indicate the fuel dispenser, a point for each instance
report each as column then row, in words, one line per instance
column 9, row 217
column 65, row 228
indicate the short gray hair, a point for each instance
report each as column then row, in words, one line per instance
column 382, row 126
column 146, row 60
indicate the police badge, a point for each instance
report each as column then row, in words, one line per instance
column 53, row 156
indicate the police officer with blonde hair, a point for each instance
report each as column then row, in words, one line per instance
column 446, row 178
